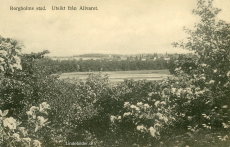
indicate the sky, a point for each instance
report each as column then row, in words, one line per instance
column 117, row 27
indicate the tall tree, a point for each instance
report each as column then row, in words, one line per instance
column 210, row 40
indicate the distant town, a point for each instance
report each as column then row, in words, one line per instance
column 119, row 57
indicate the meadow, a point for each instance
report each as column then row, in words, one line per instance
column 119, row 76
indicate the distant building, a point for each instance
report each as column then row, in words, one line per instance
column 167, row 58
column 123, row 58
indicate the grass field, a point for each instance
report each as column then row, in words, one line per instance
column 119, row 76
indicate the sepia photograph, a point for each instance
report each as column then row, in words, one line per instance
column 115, row 73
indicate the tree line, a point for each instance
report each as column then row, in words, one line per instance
column 55, row 66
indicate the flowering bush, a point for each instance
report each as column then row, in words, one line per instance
column 204, row 108
column 9, row 56
column 16, row 133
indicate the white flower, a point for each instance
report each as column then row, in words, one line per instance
column 17, row 66
column 17, row 51
column 146, row 106
column 126, row 104
column 163, row 103
column 44, row 106
column 22, row 130
column 36, row 143
column 16, row 136
column 179, row 92
column 165, row 119
column 203, row 65
column 26, row 139
column 202, row 77
column 41, row 120
column 182, row 114
column 2, row 60
column 10, row 123
column 132, row 106
column 126, row 114
column 156, row 103
column 177, row 69
column 2, row 52
column 137, row 109
column 189, row 118
column 2, row 68
column 150, row 94
column 112, row 118
column 214, row 71
column 34, row 109
column 189, row 90
column 119, row 117
column 17, row 59
column 211, row 81
column 173, row 90
column 225, row 106
column 152, row 131
column 141, row 128
column 29, row 113
column 157, row 125
column 160, row 116
column 214, row 50
column 228, row 74
column 197, row 93
column 139, row 104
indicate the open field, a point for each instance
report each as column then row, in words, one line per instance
column 119, row 76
